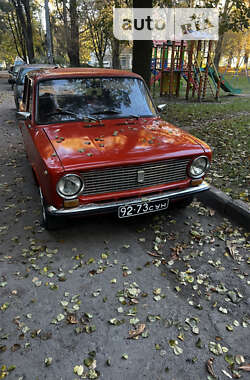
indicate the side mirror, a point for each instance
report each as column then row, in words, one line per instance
column 23, row 115
column 161, row 107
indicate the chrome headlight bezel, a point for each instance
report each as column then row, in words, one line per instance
column 77, row 193
column 206, row 167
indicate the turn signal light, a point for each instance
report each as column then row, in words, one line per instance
column 71, row 203
column 196, row 182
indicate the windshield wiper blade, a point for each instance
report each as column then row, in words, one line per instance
column 134, row 116
column 105, row 112
column 90, row 117
column 65, row 112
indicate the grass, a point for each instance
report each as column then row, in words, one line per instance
column 230, row 141
column 239, row 81
column 225, row 126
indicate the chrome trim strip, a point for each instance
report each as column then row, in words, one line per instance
column 95, row 208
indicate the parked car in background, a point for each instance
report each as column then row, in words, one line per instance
column 3, row 65
column 13, row 73
column 19, row 81
column 97, row 144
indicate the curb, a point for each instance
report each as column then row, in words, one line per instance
column 236, row 210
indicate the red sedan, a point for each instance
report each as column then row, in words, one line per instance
column 97, row 144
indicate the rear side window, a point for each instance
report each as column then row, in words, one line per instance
column 28, row 95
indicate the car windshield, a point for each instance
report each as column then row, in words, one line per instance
column 92, row 98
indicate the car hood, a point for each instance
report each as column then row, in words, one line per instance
column 119, row 141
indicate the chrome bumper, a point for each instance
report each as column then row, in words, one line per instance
column 107, row 207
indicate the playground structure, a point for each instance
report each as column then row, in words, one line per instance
column 192, row 62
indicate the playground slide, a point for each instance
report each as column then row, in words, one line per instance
column 225, row 85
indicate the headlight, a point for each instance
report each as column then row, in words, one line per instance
column 198, row 167
column 69, row 186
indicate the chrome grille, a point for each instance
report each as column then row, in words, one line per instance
column 123, row 178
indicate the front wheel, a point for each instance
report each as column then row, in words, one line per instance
column 49, row 222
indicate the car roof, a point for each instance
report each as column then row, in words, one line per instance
column 36, row 66
column 77, row 71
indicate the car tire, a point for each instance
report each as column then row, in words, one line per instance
column 49, row 222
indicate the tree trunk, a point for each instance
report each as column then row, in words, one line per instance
column 218, row 51
column 74, row 34
column 16, row 36
column 29, row 43
column 66, row 28
column 25, row 21
column 142, row 50
column 100, row 61
column 116, row 54
column 48, row 33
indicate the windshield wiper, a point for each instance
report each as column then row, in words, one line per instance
column 105, row 112
column 65, row 112
column 62, row 112
column 134, row 116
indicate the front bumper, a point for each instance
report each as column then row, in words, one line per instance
column 109, row 207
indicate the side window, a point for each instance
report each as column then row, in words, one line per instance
column 25, row 93
column 30, row 97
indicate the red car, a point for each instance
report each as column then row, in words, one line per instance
column 97, row 144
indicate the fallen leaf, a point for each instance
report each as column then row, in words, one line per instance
column 153, row 254
column 78, row 369
column 231, row 248
column 71, row 319
column 245, row 367
column 48, row 361
column 226, row 373
column 138, row 331
column 209, row 366
column 15, row 347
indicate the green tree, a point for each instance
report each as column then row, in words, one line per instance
column 234, row 15
column 23, row 13
column 97, row 17
column 68, row 13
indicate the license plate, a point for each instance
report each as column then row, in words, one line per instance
column 142, row 208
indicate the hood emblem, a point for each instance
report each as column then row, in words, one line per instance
column 140, row 176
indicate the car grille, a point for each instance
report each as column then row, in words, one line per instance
column 122, row 178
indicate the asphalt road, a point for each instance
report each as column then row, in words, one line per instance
column 69, row 298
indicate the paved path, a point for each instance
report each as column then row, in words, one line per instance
column 74, row 294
